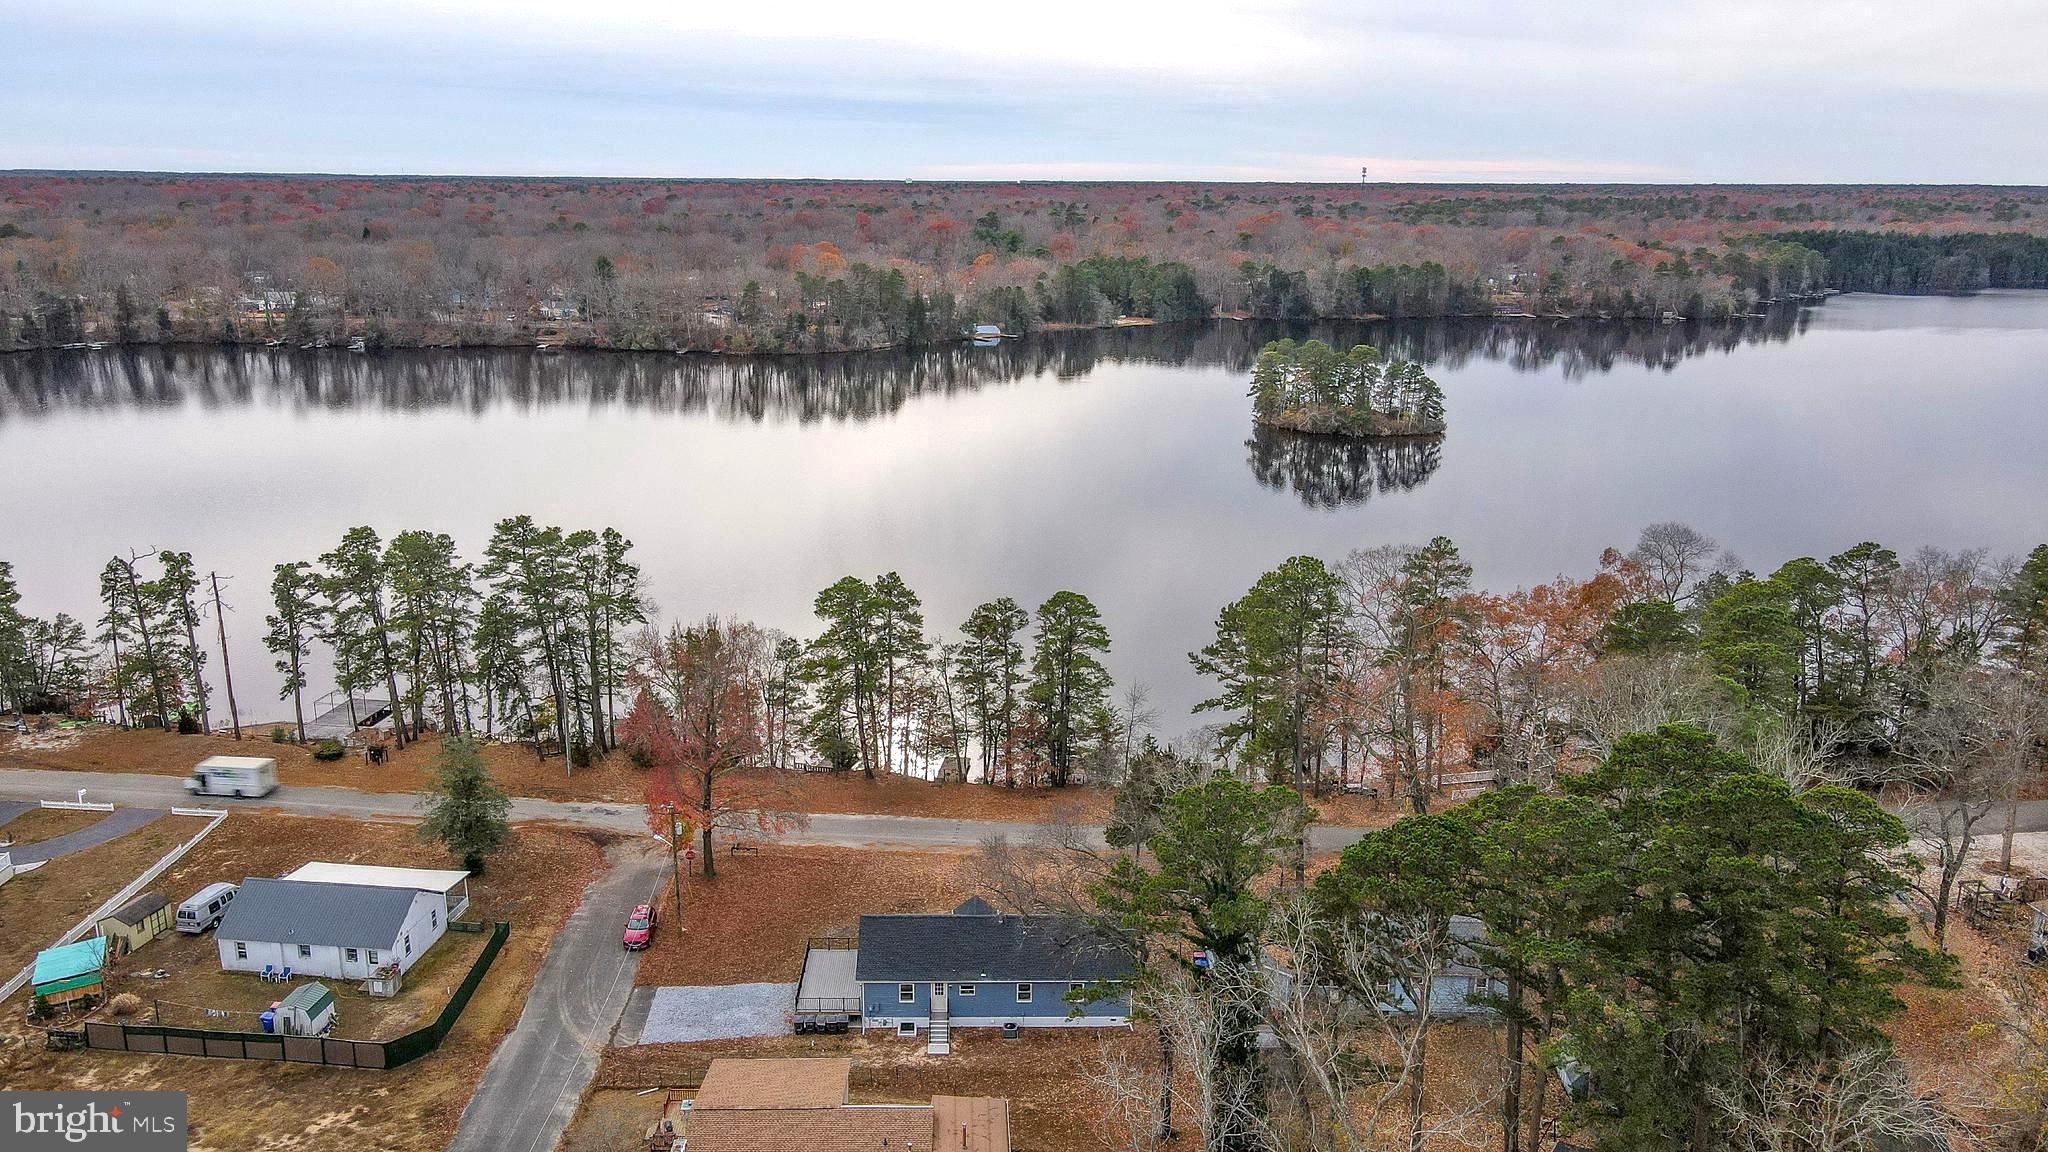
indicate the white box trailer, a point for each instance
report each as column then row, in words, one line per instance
column 233, row 776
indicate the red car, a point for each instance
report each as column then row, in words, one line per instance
column 640, row 927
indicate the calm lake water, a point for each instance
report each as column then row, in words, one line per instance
column 1121, row 464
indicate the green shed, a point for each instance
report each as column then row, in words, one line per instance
column 71, row 971
column 308, row 1011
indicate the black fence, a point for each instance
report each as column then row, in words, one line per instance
column 159, row 1038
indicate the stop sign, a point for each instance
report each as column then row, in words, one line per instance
column 689, row 853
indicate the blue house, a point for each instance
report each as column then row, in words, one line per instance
column 977, row 968
column 1462, row 987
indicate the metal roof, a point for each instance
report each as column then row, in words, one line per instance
column 378, row 876
column 308, row 998
column 137, row 910
column 973, row 946
column 70, row 960
column 300, row 912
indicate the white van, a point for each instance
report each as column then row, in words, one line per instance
column 205, row 908
column 233, row 776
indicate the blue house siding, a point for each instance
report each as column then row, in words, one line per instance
column 1449, row 995
column 990, row 1004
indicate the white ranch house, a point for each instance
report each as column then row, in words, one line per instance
column 343, row 921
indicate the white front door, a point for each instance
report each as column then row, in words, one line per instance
column 938, row 999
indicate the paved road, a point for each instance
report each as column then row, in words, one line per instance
column 119, row 822
column 531, row 1088
column 834, row 828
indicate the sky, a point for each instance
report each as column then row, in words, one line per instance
column 1954, row 91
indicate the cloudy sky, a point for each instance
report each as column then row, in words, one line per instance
column 1652, row 90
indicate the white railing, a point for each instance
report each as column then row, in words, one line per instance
column 126, row 894
column 77, row 806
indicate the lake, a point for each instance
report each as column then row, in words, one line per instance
column 1118, row 463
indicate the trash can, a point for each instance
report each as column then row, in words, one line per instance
column 270, row 1021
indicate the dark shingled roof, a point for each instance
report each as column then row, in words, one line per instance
column 134, row 912
column 972, row 945
column 304, row 912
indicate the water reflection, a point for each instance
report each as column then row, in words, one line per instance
column 1332, row 471
column 856, row 386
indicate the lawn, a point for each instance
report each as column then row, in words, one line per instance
column 236, row 1105
column 194, row 983
column 749, row 923
column 39, row 824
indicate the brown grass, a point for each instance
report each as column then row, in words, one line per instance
column 37, row 907
column 750, row 922
column 236, row 1104
column 39, row 824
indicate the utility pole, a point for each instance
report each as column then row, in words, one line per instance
column 220, row 621
column 675, row 856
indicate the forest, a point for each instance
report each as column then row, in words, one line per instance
column 808, row 266
column 1309, row 387
column 1703, row 827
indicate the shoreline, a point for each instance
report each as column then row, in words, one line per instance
column 342, row 346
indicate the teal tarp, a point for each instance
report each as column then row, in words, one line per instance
column 70, row 961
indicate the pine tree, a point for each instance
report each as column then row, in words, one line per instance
column 466, row 809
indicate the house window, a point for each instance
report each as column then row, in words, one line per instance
column 906, row 993
column 967, row 989
column 1023, row 993
column 241, row 950
column 435, row 917
column 373, row 955
column 351, row 955
column 1075, row 986
column 408, row 943
column 305, row 951
column 906, row 1028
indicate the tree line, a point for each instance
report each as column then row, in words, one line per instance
column 529, row 644
column 1922, row 263
column 767, row 266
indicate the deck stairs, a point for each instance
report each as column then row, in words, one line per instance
column 938, row 1036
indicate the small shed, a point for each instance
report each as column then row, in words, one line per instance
column 71, row 972
column 308, row 1011
column 135, row 923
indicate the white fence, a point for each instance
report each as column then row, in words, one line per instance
column 77, row 806
column 213, row 818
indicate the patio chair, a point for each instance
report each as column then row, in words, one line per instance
column 285, row 977
column 267, row 973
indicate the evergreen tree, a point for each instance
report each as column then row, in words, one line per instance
column 466, row 809
column 1069, row 685
column 991, row 677
column 296, row 619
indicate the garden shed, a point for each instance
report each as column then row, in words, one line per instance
column 135, row 923
column 71, row 972
column 308, row 1011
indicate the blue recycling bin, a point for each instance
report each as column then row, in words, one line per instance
column 270, row 1021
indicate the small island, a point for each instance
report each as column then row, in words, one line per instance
column 1308, row 387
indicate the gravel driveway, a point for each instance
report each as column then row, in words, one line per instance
column 718, row 1012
